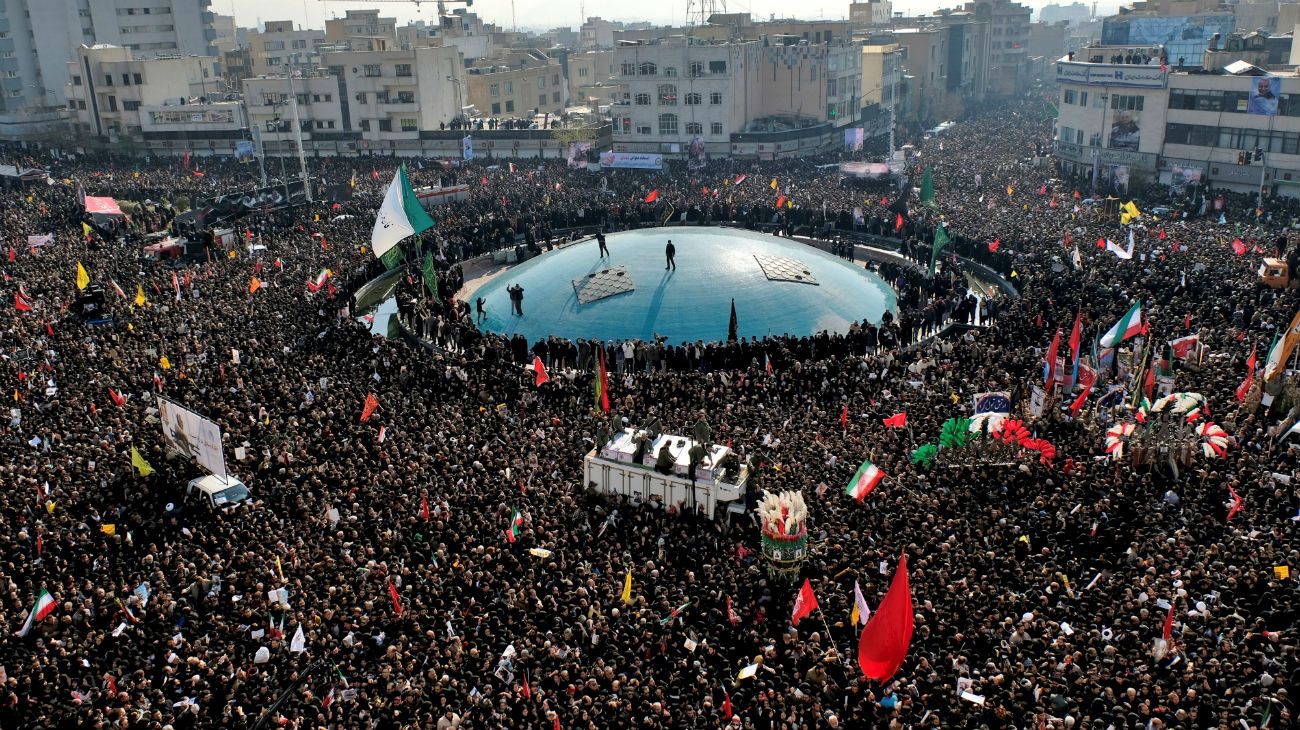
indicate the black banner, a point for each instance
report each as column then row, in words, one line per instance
column 267, row 198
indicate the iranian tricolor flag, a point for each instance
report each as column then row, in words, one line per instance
column 516, row 521
column 45, row 606
column 315, row 284
column 865, row 480
column 399, row 216
column 1127, row 326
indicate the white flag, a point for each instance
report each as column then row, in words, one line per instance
column 299, row 643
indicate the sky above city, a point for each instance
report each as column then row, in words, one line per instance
column 545, row 14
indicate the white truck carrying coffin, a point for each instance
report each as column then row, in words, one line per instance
column 612, row 471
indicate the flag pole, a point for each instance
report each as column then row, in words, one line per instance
column 831, row 640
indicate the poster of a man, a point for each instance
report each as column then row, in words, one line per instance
column 1263, row 95
column 1125, row 133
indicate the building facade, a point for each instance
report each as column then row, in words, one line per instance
column 280, row 47
column 517, row 85
column 1236, row 129
column 1007, row 26
column 108, row 89
column 730, row 97
column 37, row 37
column 392, row 95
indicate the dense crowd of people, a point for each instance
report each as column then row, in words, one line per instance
column 1038, row 585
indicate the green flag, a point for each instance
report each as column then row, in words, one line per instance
column 431, row 276
column 927, row 187
column 398, row 217
column 940, row 243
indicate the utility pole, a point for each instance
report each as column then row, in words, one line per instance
column 297, row 137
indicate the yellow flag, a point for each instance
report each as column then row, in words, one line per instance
column 789, row 203
column 1010, row 190
column 317, row 218
column 108, row 529
column 49, row 507
column 138, row 462
column 164, row 363
column 773, row 185
column 29, row 198
column 854, row 614
column 139, row 295
column 232, row 253
column 83, row 279
column 278, row 568
column 85, row 230
column 627, row 588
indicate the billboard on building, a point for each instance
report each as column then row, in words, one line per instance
column 467, row 147
column 244, row 150
column 1181, row 176
column 695, row 156
column 1263, row 95
column 193, row 435
column 1126, row 130
column 632, row 160
column 578, row 155
column 853, row 139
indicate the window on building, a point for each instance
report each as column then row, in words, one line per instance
column 555, row 79
column 667, row 95
column 1126, row 102
column 667, row 124
column 361, row 97
column 108, row 79
column 555, row 97
column 410, row 125
column 137, row 78
column 365, row 125
column 494, row 90
column 692, row 99
column 381, row 97
column 496, row 108
column 629, row 69
column 508, row 87
column 1070, row 96
column 643, row 100
column 130, row 106
column 112, row 103
column 670, row 70
column 541, row 82
column 373, row 70
column 715, row 128
column 1083, row 98
column 643, row 129
column 648, row 69
column 697, row 68
column 717, row 67
column 510, row 106
column 582, row 72
column 694, row 128
column 403, row 69
column 76, row 81
column 541, row 100
column 715, row 98
column 385, row 125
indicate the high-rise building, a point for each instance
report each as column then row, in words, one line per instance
column 39, row 37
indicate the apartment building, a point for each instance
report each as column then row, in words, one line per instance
column 108, row 88
column 280, row 47
column 1007, row 26
column 362, row 30
column 37, row 37
column 768, row 99
column 393, row 95
column 518, row 84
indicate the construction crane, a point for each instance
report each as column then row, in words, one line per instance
column 442, row 4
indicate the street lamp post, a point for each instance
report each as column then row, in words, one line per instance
column 456, row 98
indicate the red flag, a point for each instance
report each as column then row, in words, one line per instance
column 653, row 196
column 726, row 705
column 118, row 399
column 397, row 602
column 1168, row 632
column 1148, row 386
column 12, row 256
column 556, row 724
column 898, row 420
column 993, row 247
column 1187, row 321
column 1238, row 504
column 732, row 616
column 1162, row 235
column 369, row 408
column 898, row 223
column 198, row 174
column 882, row 647
column 844, row 417
column 1101, row 243
column 780, row 201
column 20, row 302
column 424, row 506
column 374, row 174
column 540, row 370
column 1238, row 247
column 483, row 180
column 1077, row 196
column 1244, row 388
column 884, row 200
column 1049, row 366
column 527, row 691
column 1043, row 190
column 112, row 685
column 805, row 603
column 185, row 160
column 49, row 329
column 1078, row 402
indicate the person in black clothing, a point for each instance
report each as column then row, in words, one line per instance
column 670, row 251
column 600, row 239
column 482, row 311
